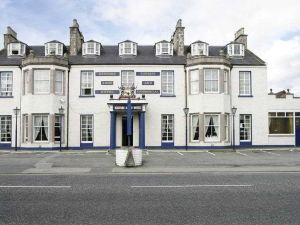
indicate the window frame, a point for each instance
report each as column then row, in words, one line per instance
column 123, row 46
column 8, row 90
column 231, row 48
column 278, row 114
column 167, row 93
column 34, row 126
column 34, row 80
column 82, row 72
column 227, row 127
column 195, row 82
column 87, row 46
column 57, row 46
column 168, row 116
column 21, row 47
column 226, row 82
column 62, row 82
column 192, row 134
column 209, row 139
column 7, row 122
column 126, row 73
column 245, row 88
column 197, row 47
column 205, row 80
column 244, row 128
column 86, row 128
column 56, row 124
column 25, row 119
column 159, row 49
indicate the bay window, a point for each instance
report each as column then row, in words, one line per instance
column 281, row 123
column 236, row 49
column 86, row 128
column 245, row 83
column 25, row 128
column 167, row 82
column 40, row 128
column 41, row 81
column 59, row 82
column 194, row 82
column 167, row 128
column 164, row 48
column 212, row 127
column 211, row 80
column 127, row 48
column 16, row 49
column 6, row 82
column 195, row 135
column 199, row 48
column 87, row 83
column 54, row 48
column 5, row 129
column 91, row 48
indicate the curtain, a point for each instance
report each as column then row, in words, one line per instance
column 195, row 125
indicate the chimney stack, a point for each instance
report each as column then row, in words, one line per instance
column 178, row 38
column 241, row 37
column 76, row 38
column 9, row 37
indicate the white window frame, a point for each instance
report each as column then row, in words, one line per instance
column 231, row 48
column 53, row 48
column 164, row 48
column 206, row 80
column 6, row 83
column 290, row 115
column 245, row 83
column 5, row 129
column 58, row 124
column 167, row 83
column 245, row 126
column 194, row 82
column 59, row 82
column 127, row 48
column 25, row 81
column 199, row 49
column 91, row 48
column 25, row 128
column 165, row 121
column 211, row 139
column 193, row 127
column 127, row 78
column 20, row 47
column 226, row 124
column 87, row 83
column 226, row 83
column 37, row 80
column 88, row 127
column 43, row 116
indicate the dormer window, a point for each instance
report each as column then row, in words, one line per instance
column 127, row 48
column 54, row 48
column 17, row 49
column 164, row 48
column 199, row 48
column 91, row 48
column 235, row 49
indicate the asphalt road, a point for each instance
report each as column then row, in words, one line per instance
column 196, row 198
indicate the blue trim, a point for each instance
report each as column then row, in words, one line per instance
column 113, row 116
column 5, row 145
column 6, row 96
column 245, row 143
column 142, row 130
column 86, row 145
column 167, row 95
column 86, row 96
column 245, row 96
column 167, row 145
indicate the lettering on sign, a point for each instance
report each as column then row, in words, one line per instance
column 147, row 82
column 107, row 92
column 148, row 91
column 107, row 73
column 147, row 73
column 107, row 82
column 121, row 107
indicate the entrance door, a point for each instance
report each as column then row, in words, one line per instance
column 297, row 129
column 124, row 132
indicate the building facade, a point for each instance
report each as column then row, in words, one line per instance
column 183, row 96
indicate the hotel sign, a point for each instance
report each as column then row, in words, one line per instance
column 148, row 91
column 107, row 92
column 147, row 73
column 124, row 107
column 107, row 73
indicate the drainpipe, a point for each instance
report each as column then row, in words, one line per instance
column 186, row 111
column 68, row 108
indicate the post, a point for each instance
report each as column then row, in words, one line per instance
column 186, row 112
column 233, row 111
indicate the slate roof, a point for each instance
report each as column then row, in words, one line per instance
column 145, row 56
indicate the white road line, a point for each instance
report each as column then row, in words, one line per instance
column 291, row 150
column 197, row 185
column 211, row 153
column 271, row 153
column 179, row 153
column 241, row 153
column 22, row 186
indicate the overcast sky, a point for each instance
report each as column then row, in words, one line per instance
column 273, row 27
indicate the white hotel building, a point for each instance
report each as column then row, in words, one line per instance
column 183, row 96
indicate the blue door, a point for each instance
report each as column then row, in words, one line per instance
column 297, row 128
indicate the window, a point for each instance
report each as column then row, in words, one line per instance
column 40, row 128
column 128, row 48
column 235, row 49
column 127, row 78
column 87, row 83
column 53, row 48
column 25, row 82
column 164, row 48
column 167, row 82
column 17, row 49
column 226, row 124
column 225, row 82
column 59, row 80
column 212, row 127
column 41, row 81
column 199, row 49
column 195, row 127
column 6, row 83
column 245, row 127
column 5, row 129
column 194, row 82
column 25, row 128
column 167, row 128
column 281, row 123
column 86, row 128
column 245, row 83
column 211, row 80
column 58, row 127
column 91, row 48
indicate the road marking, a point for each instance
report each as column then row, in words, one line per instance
column 196, row 185
column 271, row 153
column 22, row 186
column 241, row 153
column 211, row 153
column 179, row 153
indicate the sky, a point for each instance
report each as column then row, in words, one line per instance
column 273, row 27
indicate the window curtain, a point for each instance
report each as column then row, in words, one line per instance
column 195, row 125
column 211, row 131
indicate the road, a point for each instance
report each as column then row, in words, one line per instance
column 188, row 198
